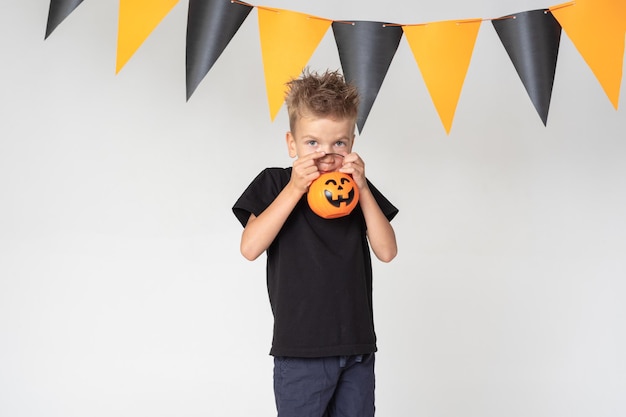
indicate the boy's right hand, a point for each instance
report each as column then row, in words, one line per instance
column 305, row 171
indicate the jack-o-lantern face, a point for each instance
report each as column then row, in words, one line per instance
column 333, row 194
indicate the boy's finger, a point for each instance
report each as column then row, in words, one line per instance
column 316, row 155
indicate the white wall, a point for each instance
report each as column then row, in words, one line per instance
column 122, row 291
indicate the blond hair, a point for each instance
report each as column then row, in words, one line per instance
column 321, row 95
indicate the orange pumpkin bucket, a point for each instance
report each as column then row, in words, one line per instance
column 332, row 195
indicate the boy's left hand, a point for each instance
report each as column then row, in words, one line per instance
column 354, row 165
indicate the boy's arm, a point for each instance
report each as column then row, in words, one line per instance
column 261, row 231
column 380, row 233
column 379, row 230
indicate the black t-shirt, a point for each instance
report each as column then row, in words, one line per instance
column 319, row 274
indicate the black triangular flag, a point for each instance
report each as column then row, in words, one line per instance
column 366, row 50
column 59, row 10
column 211, row 24
column 532, row 41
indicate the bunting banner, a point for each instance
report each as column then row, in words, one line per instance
column 366, row 50
column 59, row 10
column 288, row 40
column 137, row 20
column 211, row 24
column 442, row 50
column 597, row 30
column 532, row 41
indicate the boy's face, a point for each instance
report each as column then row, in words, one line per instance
column 326, row 134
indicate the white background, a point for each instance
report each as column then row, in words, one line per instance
column 122, row 290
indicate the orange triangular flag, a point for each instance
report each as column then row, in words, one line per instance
column 288, row 40
column 443, row 51
column 137, row 19
column 597, row 29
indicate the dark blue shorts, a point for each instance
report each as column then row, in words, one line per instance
column 325, row 387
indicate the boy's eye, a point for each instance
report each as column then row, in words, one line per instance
column 311, row 143
column 340, row 143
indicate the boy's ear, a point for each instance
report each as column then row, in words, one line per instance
column 291, row 145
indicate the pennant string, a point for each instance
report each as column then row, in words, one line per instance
column 460, row 22
column 511, row 16
column 571, row 3
column 560, row 6
column 344, row 22
column 270, row 9
column 242, row 3
column 318, row 18
column 414, row 24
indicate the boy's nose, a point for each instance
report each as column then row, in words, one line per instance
column 325, row 150
column 329, row 157
column 333, row 155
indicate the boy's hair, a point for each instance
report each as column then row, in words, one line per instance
column 319, row 95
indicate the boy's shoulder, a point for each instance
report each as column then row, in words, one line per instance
column 261, row 192
column 277, row 170
column 274, row 174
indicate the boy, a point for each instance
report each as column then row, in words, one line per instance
column 319, row 272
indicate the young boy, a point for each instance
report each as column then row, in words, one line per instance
column 319, row 272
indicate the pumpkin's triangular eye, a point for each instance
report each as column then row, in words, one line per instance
column 333, row 182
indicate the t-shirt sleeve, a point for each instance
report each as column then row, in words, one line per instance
column 259, row 194
column 388, row 209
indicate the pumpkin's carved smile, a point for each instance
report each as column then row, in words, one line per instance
column 340, row 198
